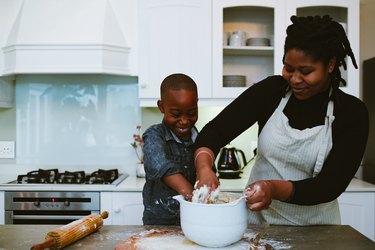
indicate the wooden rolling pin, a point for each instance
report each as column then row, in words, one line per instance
column 72, row 232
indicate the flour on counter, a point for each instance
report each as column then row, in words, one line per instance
column 155, row 239
column 180, row 242
column 264, row 241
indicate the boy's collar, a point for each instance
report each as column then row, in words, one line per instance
column 194, row 134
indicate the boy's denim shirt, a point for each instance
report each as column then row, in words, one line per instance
column 164, row 155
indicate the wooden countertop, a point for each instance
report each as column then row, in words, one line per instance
column 292, row 237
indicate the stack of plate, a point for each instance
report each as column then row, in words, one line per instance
column 258, row 41
column 234, row 81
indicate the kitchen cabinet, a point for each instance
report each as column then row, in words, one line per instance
column 125, row 208
column 269, row 19
column 357, row 210
column 169, row 43
column 174, row 37
column 2, row 208
column 345, row 12
column 258, row 19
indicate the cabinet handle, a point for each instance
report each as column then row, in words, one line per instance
column 117, row 210
column 143, row 85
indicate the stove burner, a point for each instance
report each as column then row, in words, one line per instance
column 71, row 177
column 39, row 176
column 51, row 176
column 102, row 176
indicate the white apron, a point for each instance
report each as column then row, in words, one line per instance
column 285, row 153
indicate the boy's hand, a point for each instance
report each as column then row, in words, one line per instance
column 179, row 183
column 204, row 160
column 206, row 176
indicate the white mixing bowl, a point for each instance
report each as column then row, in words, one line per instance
column 213, row 225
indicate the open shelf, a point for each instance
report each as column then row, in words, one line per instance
column 248, row 50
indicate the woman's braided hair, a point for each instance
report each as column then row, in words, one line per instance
column 322, row 38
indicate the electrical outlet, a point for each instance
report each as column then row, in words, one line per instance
column 7, row 149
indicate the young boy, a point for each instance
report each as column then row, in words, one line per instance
column 168, row 151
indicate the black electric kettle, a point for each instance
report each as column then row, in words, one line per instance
column 231, row 162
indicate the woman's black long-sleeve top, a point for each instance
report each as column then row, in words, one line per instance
column 349, row 132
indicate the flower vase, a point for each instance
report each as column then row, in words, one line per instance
column 140, row 170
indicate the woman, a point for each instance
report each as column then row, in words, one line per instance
column 311, row 137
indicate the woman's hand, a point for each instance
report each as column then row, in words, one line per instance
column 259, row 195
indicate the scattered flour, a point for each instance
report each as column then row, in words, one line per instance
column 265, row 241
column 176, row 240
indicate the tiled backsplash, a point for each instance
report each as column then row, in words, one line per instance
column 75, row 119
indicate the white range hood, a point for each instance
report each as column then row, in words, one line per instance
column 66, row 36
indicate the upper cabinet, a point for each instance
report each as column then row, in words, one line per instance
column 227, row 45
column 247, row 43
column 174, row 37
column 346, row 12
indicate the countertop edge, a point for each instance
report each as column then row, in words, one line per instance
column 134, row 184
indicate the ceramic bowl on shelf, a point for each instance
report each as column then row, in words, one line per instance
column 234, row 81
column 258, row 41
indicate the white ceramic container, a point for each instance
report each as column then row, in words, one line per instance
column 213, row 225
column 238, row 38
column 140, row 170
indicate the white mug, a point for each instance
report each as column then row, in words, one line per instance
column 242, row 35
column 235, row 40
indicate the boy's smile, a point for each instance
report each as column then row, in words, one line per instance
column 180, row 109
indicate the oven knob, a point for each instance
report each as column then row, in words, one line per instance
column 67, row 203
column 37, row 203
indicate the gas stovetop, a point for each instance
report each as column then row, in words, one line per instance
column 53, row 176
